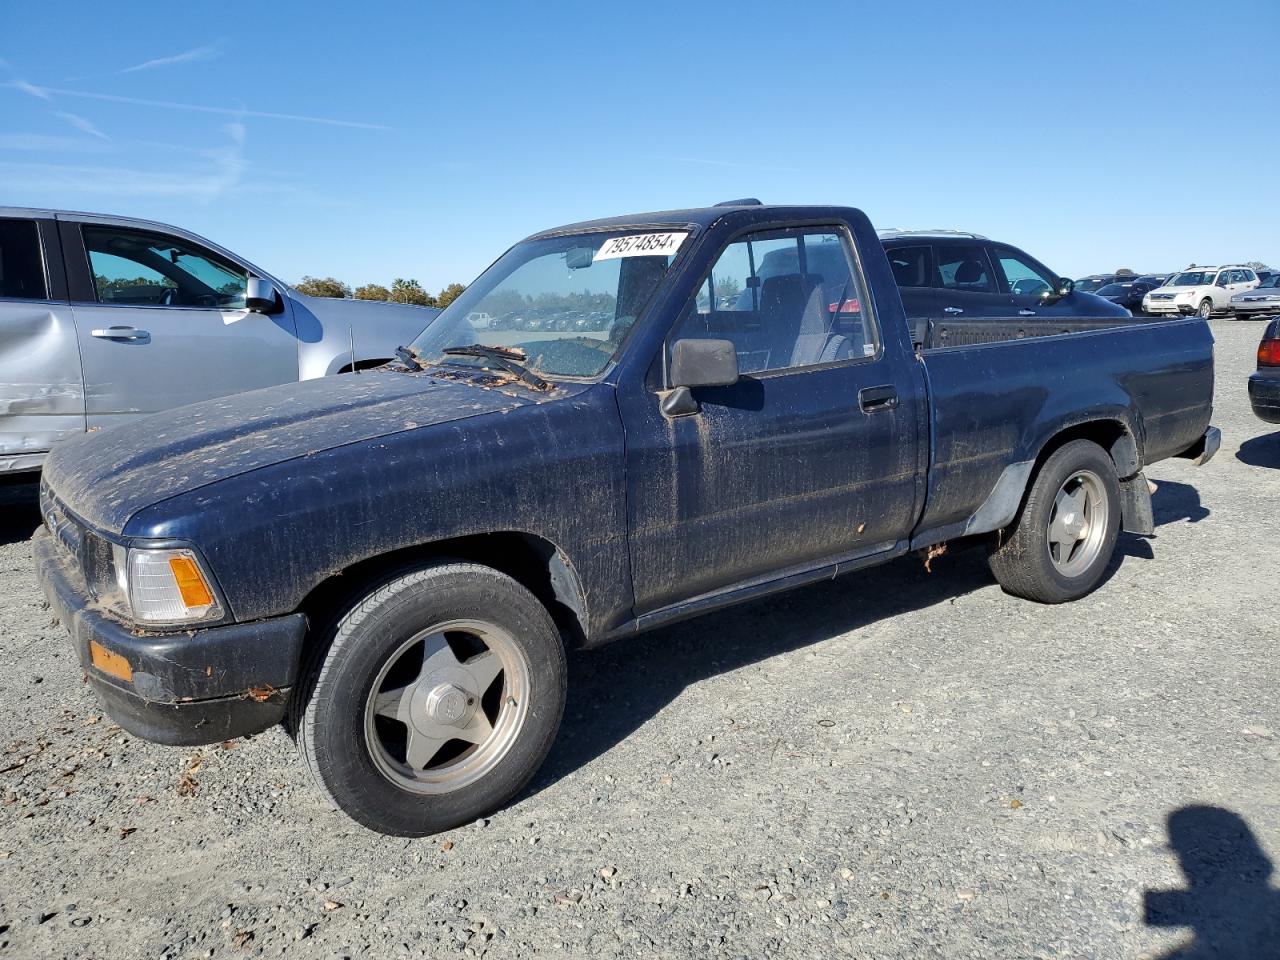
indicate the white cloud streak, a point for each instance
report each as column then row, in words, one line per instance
column 38, row 142
column 83, row 124
column 221, row 174
column 48, row 92
column 31, row 89
column 197, row 55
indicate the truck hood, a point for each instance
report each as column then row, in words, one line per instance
column 107, row 476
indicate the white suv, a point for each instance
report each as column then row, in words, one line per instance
column 1203, row 291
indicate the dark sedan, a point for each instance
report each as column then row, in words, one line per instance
column 1264, row 386
column 1127, row 293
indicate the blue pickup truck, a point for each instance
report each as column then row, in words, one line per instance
column 393, row 564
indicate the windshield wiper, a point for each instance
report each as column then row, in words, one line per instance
column 409, row 357
column 511, row 361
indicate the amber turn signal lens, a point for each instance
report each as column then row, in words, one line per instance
column 1269, row 353
column 194, row 591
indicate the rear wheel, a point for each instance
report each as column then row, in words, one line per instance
column 435, row 701
column 1206, row 309
column 1063, row 537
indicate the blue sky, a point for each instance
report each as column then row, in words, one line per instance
column 421, row 139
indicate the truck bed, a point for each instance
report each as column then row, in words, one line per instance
column 992, row 403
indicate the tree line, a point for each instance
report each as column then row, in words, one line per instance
column 401, row 291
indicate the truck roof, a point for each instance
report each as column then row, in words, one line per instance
column 701, row 217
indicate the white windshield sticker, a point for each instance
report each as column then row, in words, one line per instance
column 641, row 245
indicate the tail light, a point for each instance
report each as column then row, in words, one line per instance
column 1269, row 353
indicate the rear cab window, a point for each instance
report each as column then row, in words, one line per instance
column 22, row 272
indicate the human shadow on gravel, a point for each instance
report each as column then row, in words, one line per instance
column 1228, row 902
column 615, row 690
column 19, row 510
column 1261, row 451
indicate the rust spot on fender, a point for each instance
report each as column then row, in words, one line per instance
column 260, row 693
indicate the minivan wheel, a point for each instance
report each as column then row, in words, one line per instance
column 435, row 700
column 1206, row 309
column 1064, row 535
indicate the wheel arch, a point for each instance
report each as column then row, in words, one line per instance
column 528, row 558
column 1112, row 433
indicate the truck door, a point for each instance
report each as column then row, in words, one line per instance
column 162, row 323
column 41, row 393
column 810, row 457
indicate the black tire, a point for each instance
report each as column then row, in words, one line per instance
column 1205, row 311
column 329, row 713
column 1021, row 560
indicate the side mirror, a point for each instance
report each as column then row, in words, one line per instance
column 260, row 296
column 704, row 363
column 698, row 363
column 1064, row 288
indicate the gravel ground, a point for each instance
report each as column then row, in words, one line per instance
column 895, row 764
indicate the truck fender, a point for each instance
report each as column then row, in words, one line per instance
column 1001, row 505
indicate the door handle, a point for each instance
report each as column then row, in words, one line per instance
column 120, row 333
column 872, row 399
column 952, row 310
column 1026, row 313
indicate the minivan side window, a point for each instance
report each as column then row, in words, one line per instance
column 786, row 299
column 150, row 269
column 910, row 266
column 965, row 267
column 21, row 265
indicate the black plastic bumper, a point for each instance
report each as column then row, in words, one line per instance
column 192, row 687
column 1264, row 394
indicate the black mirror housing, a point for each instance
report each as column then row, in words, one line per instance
column 704, row 363
column 1064, row 288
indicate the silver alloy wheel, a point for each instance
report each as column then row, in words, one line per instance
column 435, row 722
column 1206, row 309
column 1078, row 523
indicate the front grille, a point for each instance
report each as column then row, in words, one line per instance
column 91, row 553
column 1162, row 296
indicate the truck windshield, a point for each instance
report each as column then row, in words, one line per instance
column 564, row 303
column 1194, row 278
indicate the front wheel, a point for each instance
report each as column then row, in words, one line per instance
column 1206, row 309
column 435, row 700
column 1062, row 539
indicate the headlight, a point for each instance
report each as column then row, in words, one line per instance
column 165, row 586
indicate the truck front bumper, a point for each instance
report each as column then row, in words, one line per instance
column 1264, row 395
column 189, row 687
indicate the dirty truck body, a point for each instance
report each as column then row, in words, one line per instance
column 449, row 507
column 107, row 319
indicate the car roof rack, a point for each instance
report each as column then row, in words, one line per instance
column 893, row 232
column 744, row 202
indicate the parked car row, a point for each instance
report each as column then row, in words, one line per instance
column 1231, row 290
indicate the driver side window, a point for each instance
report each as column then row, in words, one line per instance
column 786, row 299
column 1024, row 278
column 148, row 269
